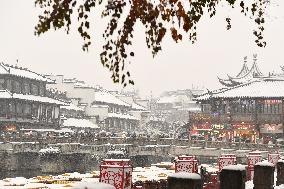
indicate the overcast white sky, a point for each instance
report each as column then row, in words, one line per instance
column 179, row 66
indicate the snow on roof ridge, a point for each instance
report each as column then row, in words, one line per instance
column 137, row 106
column 185, row 175
column 6, row 66
column 111, row 100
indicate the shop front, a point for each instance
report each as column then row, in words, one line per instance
column 200, row 131
column 245, row 132
column 222, row 132
column 271, row 132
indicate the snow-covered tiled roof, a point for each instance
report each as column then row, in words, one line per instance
column 22, row 72
column 154, row 118
column 167, row 99
column 122, row 116
column 108, row 98
column 4, row 94
column 74, row 122
column 136, row 106
column 71, row 107
column 257, row 89
column 99, row 106
column 192, row 109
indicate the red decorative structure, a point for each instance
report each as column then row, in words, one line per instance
column 117, row 172
column 186, row 164
column 226, row 159
column 273, row 158
column 253, row 158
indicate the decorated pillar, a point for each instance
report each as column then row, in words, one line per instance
column 117, row 172
column 253, row 158
column 273, row 158
column 186, row 164
column 226, row 159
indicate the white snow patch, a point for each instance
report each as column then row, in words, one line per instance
column 279, row 187
column 265, row 163
column 238, row 167
column 93, row 185
column 75, row 122
column 49, row 150
column 249, row 184
column 35, row 185
column 185, row 175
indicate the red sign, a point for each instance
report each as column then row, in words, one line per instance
column 202, row 126
column 272, row 101
column 243, row 126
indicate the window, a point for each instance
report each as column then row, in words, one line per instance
column 43, row 112
column 9, row 85
column 12, row 107
column 34, row 89
column 16, row 87
column 49, row 113
column 35, row 111
column 206, row 108
column 27, row 89
column 19, row 109
column 2, row 84
column 56, row 112
column 27, row 109
column 41, row 90
column 2, row 108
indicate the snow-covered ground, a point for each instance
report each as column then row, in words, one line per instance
column 75, row 180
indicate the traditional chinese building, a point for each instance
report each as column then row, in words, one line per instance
column 250, row 109
column 23, row 100
column 246, row 75
column 99, row 106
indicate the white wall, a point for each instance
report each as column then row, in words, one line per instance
column 102, row 112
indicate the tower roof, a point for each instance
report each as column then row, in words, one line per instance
column 244, row 76
column 243, row 71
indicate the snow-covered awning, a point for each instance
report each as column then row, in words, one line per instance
column 82, row 123
column 4, row 94
column 122, row 116
column 71, row 107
